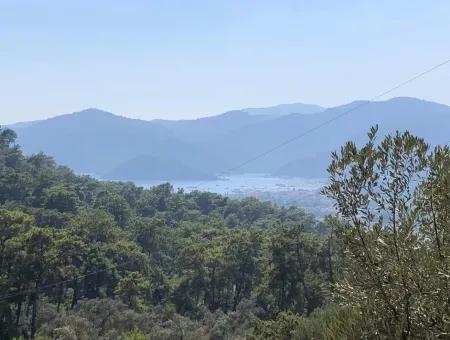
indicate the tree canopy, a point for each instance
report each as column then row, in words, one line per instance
column 87, row 259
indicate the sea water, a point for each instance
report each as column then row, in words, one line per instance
column 242, row 183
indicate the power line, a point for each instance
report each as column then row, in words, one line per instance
column 317, row 127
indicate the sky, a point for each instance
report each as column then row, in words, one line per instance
column 185, row 59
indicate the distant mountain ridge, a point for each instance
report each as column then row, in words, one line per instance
column 112, row 146
column 286, row 109
column 208, row 127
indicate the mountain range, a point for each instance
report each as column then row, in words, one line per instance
column 115, row 147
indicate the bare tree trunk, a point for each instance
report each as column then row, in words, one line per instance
column 60, row 294
column 75, row 294
column 19, row 305
column 18, row 311
column 34, row 312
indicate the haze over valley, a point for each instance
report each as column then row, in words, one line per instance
column 111, row 146
column 211, row 153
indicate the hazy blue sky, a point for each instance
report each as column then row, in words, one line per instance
column 180, row 59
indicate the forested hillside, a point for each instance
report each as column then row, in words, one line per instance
column 103, row 259
column 85, row 259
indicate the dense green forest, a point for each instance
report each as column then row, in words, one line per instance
column 87, row 259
